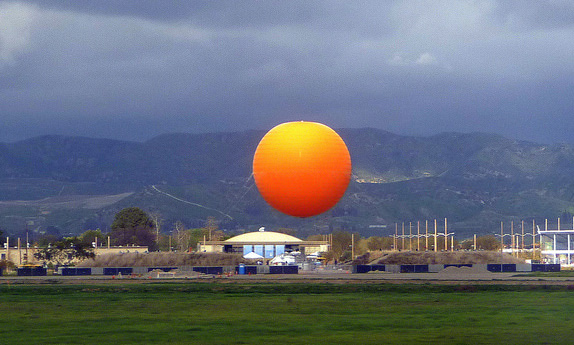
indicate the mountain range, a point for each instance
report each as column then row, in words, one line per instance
column 476, row 180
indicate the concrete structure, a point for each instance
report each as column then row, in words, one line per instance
column 265, row 243
column 21, row 255
column 557, row 246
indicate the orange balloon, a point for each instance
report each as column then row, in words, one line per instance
column 302, row 168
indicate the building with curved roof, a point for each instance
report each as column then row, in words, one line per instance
column 267, row 244
column 263, row 237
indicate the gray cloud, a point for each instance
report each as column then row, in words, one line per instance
column 134, row 69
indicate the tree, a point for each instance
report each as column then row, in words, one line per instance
column 157, row 221
column 47, row 239
column 341, row 244
column 65, row 251
column 375, row 243
column 132, row 226
column 316, row 238
column 90, row 236
column 181, row 237
column 488, row 242
column 196, row 236
column 131, row 217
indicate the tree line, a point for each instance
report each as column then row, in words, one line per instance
column 344, row 244
column 133, row 226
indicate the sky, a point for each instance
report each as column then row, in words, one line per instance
column 135, row 69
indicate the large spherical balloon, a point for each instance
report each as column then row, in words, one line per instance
column 302, row 168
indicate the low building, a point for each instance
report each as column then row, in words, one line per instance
column 267, row 244
column 557, row 246
column 21, row 255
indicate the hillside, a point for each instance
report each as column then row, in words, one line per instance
column 476, row 180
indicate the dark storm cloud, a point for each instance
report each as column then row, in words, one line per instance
column 134, row 69
column 206, row 13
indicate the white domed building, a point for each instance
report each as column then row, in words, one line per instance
column 267, row 244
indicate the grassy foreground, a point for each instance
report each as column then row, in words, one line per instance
column 212, row 313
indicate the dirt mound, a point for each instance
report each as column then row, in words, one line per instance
column 459, row 257
column 163, row 259
column 453, row 270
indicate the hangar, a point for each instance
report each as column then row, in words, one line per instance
column 267, row 244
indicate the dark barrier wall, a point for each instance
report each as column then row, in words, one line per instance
column 283, row 269
column 378, row 268
column 209, row 270
column 362, row 268
column 538, row 268
column 457, row 265
column 31, row 271
column 165, row 269
column 407, row 268
column 76, row 271
column 114, row 271
column 421, row 268
column 276, row 269
column 290, row 269
column 83, row 271
column 545, row 268
column 494, row 267
column 553, row 268
column 68, row 271
column 489, row 267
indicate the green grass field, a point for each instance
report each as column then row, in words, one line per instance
column 215, row 313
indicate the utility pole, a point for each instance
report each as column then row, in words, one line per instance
column 522, row 243
column 395, row 242
column 512, row 238
column 426, row 235
column 445, row 236
column 211, row 226
column 403, row 246
column 501, row 237
column 435, row 236
column 418, row 236
column 410, row 236
column 27, row 245
column 533, row 238
column 352, row 246
column 8, row 248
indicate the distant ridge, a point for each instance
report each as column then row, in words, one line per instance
column 476, row 180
